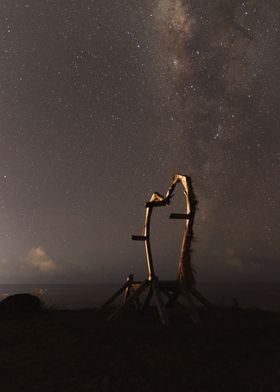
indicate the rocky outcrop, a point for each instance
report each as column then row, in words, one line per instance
column 21, row 303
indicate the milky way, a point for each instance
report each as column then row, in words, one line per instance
column 224, row 57
column 102, row 102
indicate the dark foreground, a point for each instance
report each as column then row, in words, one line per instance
column 78, row 351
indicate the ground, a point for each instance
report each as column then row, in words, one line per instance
column 80, row 351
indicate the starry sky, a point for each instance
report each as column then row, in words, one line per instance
column 102, row 101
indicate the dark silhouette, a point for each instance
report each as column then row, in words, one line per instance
column 21, row 303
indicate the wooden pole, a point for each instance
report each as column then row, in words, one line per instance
column 151, row 272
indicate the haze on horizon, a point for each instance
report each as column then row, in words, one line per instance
column 102, row 102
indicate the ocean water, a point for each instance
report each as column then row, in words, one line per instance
column 264, row 296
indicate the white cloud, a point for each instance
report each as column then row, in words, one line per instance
column 38, row 259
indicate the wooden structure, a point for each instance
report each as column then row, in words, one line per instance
column 185, row 283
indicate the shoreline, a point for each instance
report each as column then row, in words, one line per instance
column 262, row 296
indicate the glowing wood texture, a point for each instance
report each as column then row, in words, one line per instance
column 185, row 283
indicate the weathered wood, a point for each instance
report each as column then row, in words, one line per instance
column 129, row 280
column 129, row 301
column 204, row 301
column 147, row 300
column 151, row 204
column 173, row 298
column 185, row 283
column 179, row 216
column 166, row 293
column 137, row 302
column 126, row 293
column 194, row 312
column 149, row 257
column 159, row 302
column 115, row 296
column 185, row 270
column 138, row 238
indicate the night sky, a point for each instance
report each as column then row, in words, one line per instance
column 102, row 101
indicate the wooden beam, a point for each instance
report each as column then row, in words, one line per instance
column 173, row 298
column 138, row 237
column 194, row 312
column 130, row 300
column 204, row 301
column 147, row 300
column 179, row 216
column 159, row 302
column 116, row 295
column 156, row 203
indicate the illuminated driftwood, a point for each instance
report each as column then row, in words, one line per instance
column 185, row 283
column 185, row 270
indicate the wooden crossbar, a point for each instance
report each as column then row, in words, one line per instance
column 151, row 204
column 179, row 216
column 138, row 237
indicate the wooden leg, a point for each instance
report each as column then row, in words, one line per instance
column 166, row 293
column 204, row 301
column 115, row 296
column 159, row 302
column 137, row 302
column 130, row 300
column 172, row 299
column 194, row 313
column 147, row 300
column 127, row 293
column 128, row 290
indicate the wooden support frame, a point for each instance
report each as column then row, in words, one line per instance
column 185, row 283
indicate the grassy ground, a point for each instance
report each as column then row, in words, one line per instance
column 79, row 351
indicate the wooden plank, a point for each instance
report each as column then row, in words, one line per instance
column 156, row 203
column 179, row 216
column 138, row 237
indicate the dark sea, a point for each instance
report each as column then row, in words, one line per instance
column 265, row 296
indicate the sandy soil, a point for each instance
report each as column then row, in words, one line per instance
column 79, row 351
